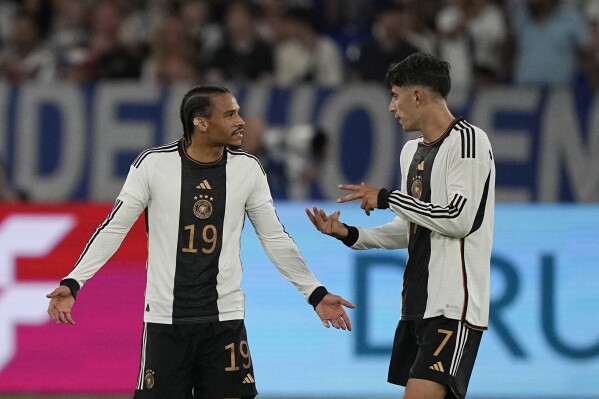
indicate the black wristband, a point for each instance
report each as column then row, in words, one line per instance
column 352, row 236
column 383, row 199
column 317, row 295
column 72, row 285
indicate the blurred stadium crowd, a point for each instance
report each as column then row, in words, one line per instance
column 324, row 42
column 544, row 43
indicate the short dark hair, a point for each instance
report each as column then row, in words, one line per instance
column 198, row 102
column 420, row 69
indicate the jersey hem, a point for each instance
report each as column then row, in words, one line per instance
column 448, row 315
column 234, row 315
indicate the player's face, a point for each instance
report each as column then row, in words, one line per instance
column 403, row 105
column 225, row 123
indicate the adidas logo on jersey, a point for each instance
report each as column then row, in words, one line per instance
column 204, row 185
column 438, row 367
column 248, row 379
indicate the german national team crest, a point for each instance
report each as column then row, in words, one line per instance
column 149, row 379
column 416, row 188
column 202, row 208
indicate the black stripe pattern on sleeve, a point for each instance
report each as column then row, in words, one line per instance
column 106, row 222
column 451, row 211
column 468, row 139
column 164, row 148
column 480, row 213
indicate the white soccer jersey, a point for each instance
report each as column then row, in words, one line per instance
column 195, row 214
column 445, row 211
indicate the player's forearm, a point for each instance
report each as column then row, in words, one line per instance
column 99, row 249
column 453, row 220
column 282, row 250
column 290, row 263
column 104, row 242
column 393, row 235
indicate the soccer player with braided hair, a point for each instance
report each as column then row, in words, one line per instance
column 196, row 193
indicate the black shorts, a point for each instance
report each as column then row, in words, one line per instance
column 203, row 360
column 436, row 349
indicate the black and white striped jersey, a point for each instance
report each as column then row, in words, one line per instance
column 445, row 212
column 195, row 214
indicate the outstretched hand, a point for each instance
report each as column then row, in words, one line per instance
column 330, row 309
column 327, row 224
column 367, row 194
column 61, row 303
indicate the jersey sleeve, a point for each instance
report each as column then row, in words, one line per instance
column 278, row 245
column 392, row 235
column 467, row 172
column 107, row 238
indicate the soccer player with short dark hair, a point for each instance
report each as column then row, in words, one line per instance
column 196, row 192
column 444, row 217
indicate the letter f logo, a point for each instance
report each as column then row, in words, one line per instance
column 25, row 302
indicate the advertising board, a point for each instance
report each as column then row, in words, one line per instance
column 543, row 334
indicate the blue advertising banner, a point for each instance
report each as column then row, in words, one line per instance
column 543, row 337
column 62, row 142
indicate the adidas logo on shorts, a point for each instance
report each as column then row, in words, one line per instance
column 248, row 379
column 438, row 367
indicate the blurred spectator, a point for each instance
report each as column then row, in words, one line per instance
column 42, row 12
column 8, row 193
column 488, row 29
column 244, row 55
column 472, row 39
column 591, row 14
column 299, row 151
column 24, row 58
column 8, row 9
column 69, row 35
column 106, row 56
column 272, row 25
column 293, row 157
column 319, row 153
column 551, row 40
column 254, row 142
column 198, row 19
column 141, row 20
column 304, row 55
column 371, row 60
column 455, row 42
column 422, row 34
column 253, row 134
column 172, row 55
column 348, row 22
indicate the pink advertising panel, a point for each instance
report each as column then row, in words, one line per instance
column 38, row 246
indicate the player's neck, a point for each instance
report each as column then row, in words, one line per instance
column 203, row 153
column 435, row 124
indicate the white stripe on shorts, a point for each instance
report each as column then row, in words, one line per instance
column 460, row 343
column 140, row 378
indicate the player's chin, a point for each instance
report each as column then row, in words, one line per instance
column 236, row 140
column 408, row 128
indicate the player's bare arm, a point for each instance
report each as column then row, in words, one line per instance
column 330, row 309
column 367, row 194
column 61, row 303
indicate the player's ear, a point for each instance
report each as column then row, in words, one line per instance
column 420, row 97
column 417, row 97
column 201, row 123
